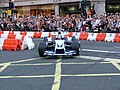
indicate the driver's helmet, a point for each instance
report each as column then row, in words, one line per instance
column 59, row 33
column 59, row 36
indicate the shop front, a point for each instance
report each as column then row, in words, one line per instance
column 74, row 8
column 34, row 10
column 46, row 9
column 69, row 8
column 112, row 6
column 23, row 10
column 41, row 10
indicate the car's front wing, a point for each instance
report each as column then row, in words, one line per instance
column 53, row 53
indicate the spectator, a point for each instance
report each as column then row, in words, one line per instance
column 77, row 23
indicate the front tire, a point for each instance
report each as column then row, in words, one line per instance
column 76, row 46
column 41, row 49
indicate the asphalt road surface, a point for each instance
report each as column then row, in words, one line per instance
column 97, row 68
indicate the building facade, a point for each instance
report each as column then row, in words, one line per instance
column 112, row 6
column 50, row 7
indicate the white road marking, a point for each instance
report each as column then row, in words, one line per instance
column 4, row 66
column 117, row 47
column 98, row 58
column 47, row 64
column 57, row 77
column 116, row 64
column 38, row 64
column 36, row 76
column 83, row 57
column 91, row 75
column 82, row 63
column 101, row 51
column 65, row 75
column 19, row 61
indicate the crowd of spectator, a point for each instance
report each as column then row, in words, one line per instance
column 76, row 23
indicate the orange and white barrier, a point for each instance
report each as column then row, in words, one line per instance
column 1, row 43
column 65, row 34
column 76, row 34
column 14, row 41
column 44, row 34
column 37, row 34
column 108, row 37
column 12, row 44
column 101, row 37
column 83, row 36
column 16, row 44
column 4, row 36
column 24, row 33
column 117, row 38
column 92, row 36
column 1, row 32
column 27, row 43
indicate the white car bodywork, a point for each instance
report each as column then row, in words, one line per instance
column 59, row 46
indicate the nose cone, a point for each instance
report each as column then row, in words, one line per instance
column 59, row 44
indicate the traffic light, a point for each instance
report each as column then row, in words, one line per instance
column 11, row 5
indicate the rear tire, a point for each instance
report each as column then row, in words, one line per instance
column 41, row 49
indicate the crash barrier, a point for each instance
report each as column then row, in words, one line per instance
column 1, row 43
column 83, row 36
column 27, row 43
column 13, row 42
column 37, row 34
column 92, row 36
column 108, row 37
column 16, row 44
column 117, row 38
column 101, row 37
column 4, row 34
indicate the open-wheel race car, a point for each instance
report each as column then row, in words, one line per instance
column 59, row 46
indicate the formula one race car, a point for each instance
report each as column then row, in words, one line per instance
column 59, row 46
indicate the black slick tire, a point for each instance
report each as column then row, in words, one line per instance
column 76, row 46
column 41, row 49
